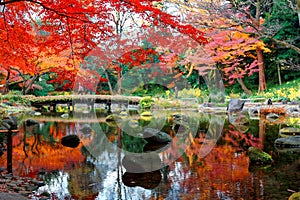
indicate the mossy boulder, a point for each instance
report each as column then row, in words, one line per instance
column 258, row 156
column 146, row 102
column 295, row 196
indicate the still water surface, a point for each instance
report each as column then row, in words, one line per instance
column 206, row 159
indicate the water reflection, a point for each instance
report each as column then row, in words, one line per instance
column 213, row 165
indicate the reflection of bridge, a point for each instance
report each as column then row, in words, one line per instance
column 69, row 120
column 90, row 100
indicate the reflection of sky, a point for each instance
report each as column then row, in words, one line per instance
column 58, row 185
column 112, row 186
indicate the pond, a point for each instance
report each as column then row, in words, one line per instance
column 206, row 159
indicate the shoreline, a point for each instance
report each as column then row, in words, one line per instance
column 24, row 186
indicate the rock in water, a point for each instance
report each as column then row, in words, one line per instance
column 152, row 135
column 31, row 122
column 142, row 163
column 269, row 102
column 272, row 116
column 70, row 141
column 146, row 114
column 133, row 123
column 289, row 131
column 149, row 180
column 288, row 142
column 37, row 113
column 235, row 105
column 123, row 114
column 65, row 116
column 258, row 156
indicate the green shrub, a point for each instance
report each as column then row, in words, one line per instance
column 46, row 88
column 146, row 102
column 15, row 96
column 287, row 91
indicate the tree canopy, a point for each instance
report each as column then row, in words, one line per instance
column 55, row 37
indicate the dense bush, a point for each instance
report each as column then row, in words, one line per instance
column 146, row 102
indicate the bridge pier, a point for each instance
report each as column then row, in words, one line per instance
column 69, row 107
column 108, row 106
column 52, row 107
column 92, row 106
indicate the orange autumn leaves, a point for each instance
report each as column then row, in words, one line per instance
column 34, row 32
column 33, row 153
column 223, row 162
column 139, row 57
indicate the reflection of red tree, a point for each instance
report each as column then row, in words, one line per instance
column 33, row 152
column 220, row 171
column 239, row 139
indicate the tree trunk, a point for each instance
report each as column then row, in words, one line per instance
column 262, row 132
column 108, row 81
column 23, row 86
column 27, row 88
column 244, row 87
column 261, row 72
column 279, row 75
column 260, row 58
column 109, row 84
column 284, row 43
column 6, row 89
column 119, row 82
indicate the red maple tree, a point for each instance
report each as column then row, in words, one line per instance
column 32, row 29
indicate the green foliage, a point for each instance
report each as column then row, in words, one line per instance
column 258, row 156
column 60, row 93
column 46, row 87
column 15, row 96
column 282, row 22
column 133, row 144
column 202, row 95
column 287, row 91
column 168, row 103
column 284, row 19
column 151, row 90
column 146, row 102
column 189, row 93
column 2, row 137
